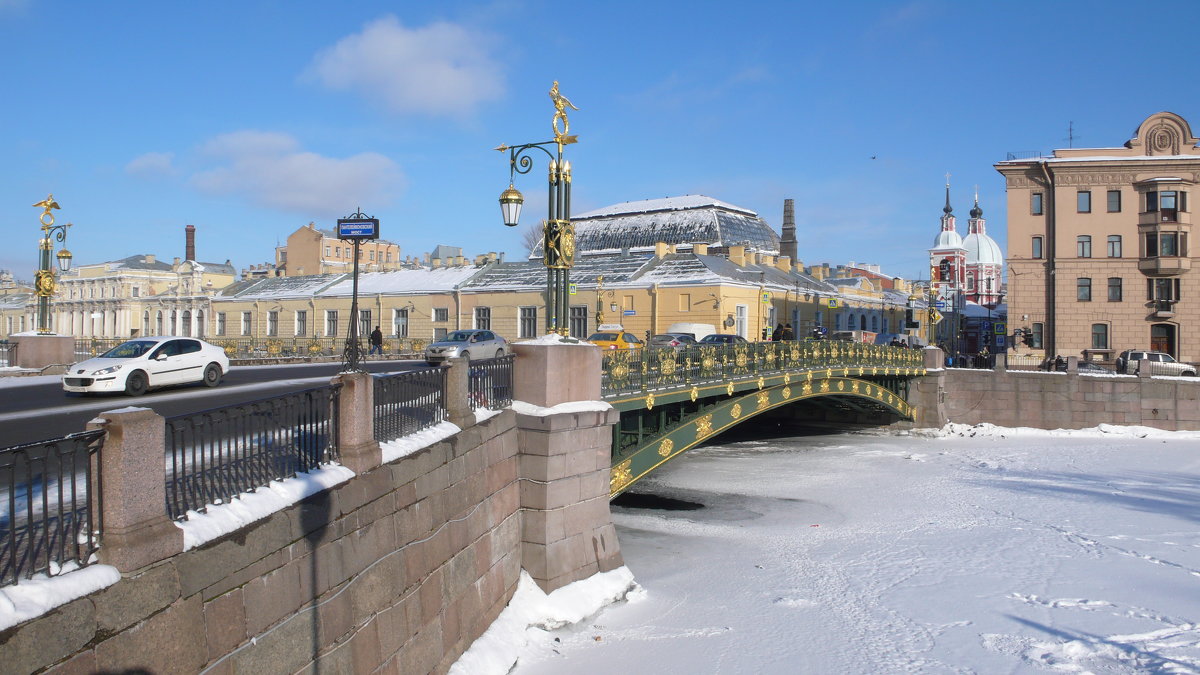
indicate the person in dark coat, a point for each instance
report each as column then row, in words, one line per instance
column 376, row 342
column 788, row 333
column 777, row 334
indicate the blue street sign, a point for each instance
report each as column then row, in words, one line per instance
column 939, row 304
column 629, row 312
column 364, row 228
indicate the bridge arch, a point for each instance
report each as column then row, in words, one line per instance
column 693, row 430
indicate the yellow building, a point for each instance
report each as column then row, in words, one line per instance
column 314, row 250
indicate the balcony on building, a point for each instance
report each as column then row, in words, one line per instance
column 1162, row 309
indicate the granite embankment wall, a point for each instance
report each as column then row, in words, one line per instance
column 1045, row 400
column 397, row 570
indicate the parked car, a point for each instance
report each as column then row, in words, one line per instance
column 615, row 340
column 145, row 363
column 676, row 340
column 467, row 344
column 722, row 339
column 1160, row 363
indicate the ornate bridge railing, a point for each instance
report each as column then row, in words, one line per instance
column 636, row 374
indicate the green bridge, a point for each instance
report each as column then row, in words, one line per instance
column 673, row 400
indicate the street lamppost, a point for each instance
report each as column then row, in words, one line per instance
column 558, row 234
column 44, row 280
column 356, row 227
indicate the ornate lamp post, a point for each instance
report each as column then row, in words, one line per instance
column 44, row 284
column 558, row 239
column 356, row 227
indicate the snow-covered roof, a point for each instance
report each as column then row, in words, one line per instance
column 405, row 281
column 666, row 204
column 678, row 220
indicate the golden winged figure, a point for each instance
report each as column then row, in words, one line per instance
column 47, row 203
column 560, row 111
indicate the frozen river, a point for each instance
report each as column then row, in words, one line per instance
column 994, row 551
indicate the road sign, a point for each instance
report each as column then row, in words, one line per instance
column 935, row 316
column 629, row 312
column 571, row 288
column 358, row 228
column 940, row 304
column 832, row 303
column 1000, row 328
column 766, row 297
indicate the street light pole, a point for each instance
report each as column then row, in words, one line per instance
column 44, row 284
column 558, row 234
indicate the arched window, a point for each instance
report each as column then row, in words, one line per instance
column 862, row 322
column 186, row 328
column 146, row 322
column 200, row 323
column 158, row 323
column 875, row 322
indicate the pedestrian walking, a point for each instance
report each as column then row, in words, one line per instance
column 788, row 333
column 376, row 342
column 777, row 334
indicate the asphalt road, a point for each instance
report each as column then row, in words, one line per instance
column 36, row 408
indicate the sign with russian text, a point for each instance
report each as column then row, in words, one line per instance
column 358, row 228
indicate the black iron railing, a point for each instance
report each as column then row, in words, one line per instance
column 629, row 371
column 490, row 382
column 217, row 454
column 47, row 515
column 406, row 403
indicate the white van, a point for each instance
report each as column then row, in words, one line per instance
column 696, row 330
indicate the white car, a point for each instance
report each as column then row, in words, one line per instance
column 144, row 363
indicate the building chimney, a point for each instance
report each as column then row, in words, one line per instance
column 660, row 249
column 737, row 255
column 787, row 243
column 783, row 263
column 700, row 249
column 189, row 248
column 148, row 258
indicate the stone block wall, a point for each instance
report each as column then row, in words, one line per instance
column 397, row 570
column 1054, row 400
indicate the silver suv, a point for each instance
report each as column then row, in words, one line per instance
column 1158, row 363
column 468, row 344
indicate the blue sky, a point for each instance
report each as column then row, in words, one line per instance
column 249, row 119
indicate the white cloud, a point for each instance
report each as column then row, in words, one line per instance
column 152, row 165
column 270, row 169
column 441, row 69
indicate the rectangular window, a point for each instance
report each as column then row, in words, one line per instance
column 326, row 251
column 272, row 323
column 400, row 323
column 483, row 318
column 1083, row 246
column 1163, row 289
column 578, row 322
column 1151, row 245
column 1114, row 246
column 527, row 326
column 364, row 322
column 1035, row 204
column 337, row 252
column 1083, row 201
column 136, row 291
column 685, row 302
column 1114, row 289
column 1099, row 336
column 331, row 323
column 441, row 314
column 1083, row 289
column 1168, row 244
column 1114, row 201
column 1037, row 248
column 302, row 322
column 372, row 256
column 1167, row 205
column 1036, row 339
column 220, row 324
column 247, row 322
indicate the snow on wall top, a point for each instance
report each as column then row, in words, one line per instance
column 398, row 281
